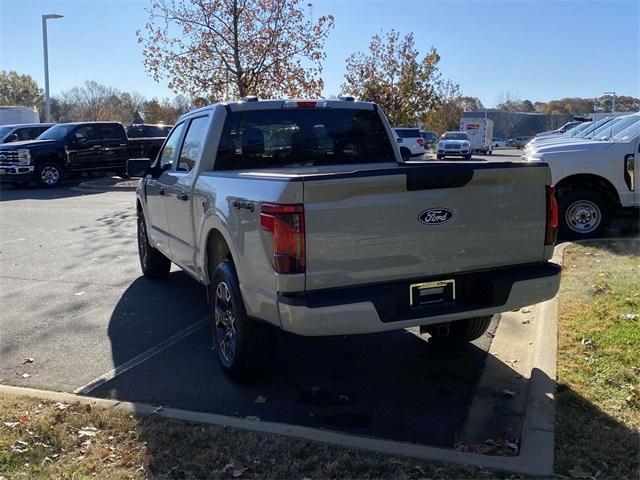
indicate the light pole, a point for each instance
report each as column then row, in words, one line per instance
column 47, row 105
column 613, row 105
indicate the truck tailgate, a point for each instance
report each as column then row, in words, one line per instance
column 413, row 222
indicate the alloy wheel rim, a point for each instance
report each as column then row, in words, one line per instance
column 50, row 175
column 225, row 323
column 583, row 216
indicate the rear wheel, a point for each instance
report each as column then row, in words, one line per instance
column 440, row 157
column 406, row 154
column 460, row 331
column 49, row 174
column 583, row 213
column 244, row 345
column 153, row 263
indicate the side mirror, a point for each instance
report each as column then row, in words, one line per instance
column 139, row 167
column 11, row 138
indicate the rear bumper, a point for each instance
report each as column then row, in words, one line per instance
column 384, row 307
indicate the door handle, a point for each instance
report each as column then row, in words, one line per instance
column 182, row 196
column 161, row 192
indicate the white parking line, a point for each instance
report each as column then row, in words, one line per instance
column 143, row 357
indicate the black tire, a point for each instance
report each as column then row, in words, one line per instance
column 467, row 157
column 245, row 346
column 463, row 330
column 49, row 174
column 405, row 153
column 153, row 263
column 97, row 173
column 123, row 173
column 583, row 213
column 440, row 157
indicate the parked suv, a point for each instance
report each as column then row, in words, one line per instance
column 454, row 144
column 23, row 131
column 300, row 215
column 410, row 142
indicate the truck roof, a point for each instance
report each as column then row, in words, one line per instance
column 253, row 103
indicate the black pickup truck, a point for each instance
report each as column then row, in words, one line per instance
column 70, row 149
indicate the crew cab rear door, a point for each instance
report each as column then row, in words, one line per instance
column 179, row 189
column 417, row 222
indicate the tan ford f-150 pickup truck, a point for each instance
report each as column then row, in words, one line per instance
column 301, row 215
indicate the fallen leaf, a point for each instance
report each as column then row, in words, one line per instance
column 78, row 294
column 61, row 405
column 253, row 418
column 260, row 399
column 238, row 473
column 157, row 409
column 629, row 317
column 525, row 310
column 19, row 446
column 27, row 360
column 508, row 393
column 25, row 375
column 87, row 432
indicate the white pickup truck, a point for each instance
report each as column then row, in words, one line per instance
column 593, row 178
column 301, row 215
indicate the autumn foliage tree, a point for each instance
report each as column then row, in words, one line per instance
column 233, row 48
column 394, row 75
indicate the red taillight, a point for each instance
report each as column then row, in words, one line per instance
column 552, row 216
column 286, row 224
column 421, row 141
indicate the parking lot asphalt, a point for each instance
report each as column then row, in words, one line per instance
column 78, row 316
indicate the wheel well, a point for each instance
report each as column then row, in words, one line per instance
column 138, row 207
column 217, row 250
column 589, row 182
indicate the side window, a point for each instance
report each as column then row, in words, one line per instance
column 171, row 148
column 85, row 133
column 192, row 145
column 111, row 132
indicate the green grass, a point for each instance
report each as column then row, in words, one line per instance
column 599, row 361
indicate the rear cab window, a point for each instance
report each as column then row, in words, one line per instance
column 301, row 137
column 407, row 132
column 112, row 131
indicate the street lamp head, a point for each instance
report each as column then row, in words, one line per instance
column 52, row 15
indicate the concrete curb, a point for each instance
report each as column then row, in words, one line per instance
column 536, row 456
column 505, row 464
column 108, row 186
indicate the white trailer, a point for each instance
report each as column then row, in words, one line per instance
column 16, row 115
column 480, row 130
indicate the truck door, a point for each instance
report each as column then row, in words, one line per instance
column 85, row 148
column 114, row 146
column 179, row 202
column 156, row 190
column 633, row 171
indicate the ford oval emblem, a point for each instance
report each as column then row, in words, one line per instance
column 435, row 216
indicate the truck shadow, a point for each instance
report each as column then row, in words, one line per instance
column 393, row 385
column 10, row 193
